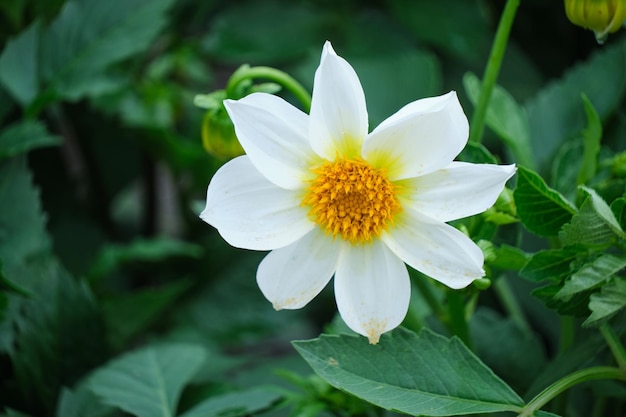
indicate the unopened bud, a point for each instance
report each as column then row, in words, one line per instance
column 601, row 16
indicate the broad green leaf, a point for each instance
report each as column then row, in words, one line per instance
column 59, row 333
column 555, row 114
column 22, row 223
column 542, row 210
column 235, row 404
column 550, row 265
column 576, row 306
column 81, row 402
column 507, row 348
column 458, row 28
column 19, row 72
column 592, row 275
column 145, row 250
column 566, row 167
column 509, row 258
column 418, row 374
column 505, row 117
column 89, row 35
column 255, row 32
column 610, row 300
column 477, row 153
column 24, row 136
column 131, row 313
column 592, row 135
column 618, row 207
column 148, row 382
column 594, row 224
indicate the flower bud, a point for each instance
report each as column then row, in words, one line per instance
column 218, row 132
column 601, row 16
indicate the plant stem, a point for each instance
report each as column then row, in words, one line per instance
column 583, row 375
column 615, row 345
column 456, row 311
column 271, row 74
column 508, row 300
column 493, row 69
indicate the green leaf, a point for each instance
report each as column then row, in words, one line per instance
column 610, row 300
column 592, row 135
column 235, row 404
column 128, row 315
column 550, row 265
column 148, row 382
column 542, row 210
column 618, row 208
column 477, row 153
column 591, row 275
column 81, row 402
column 146, row 250
column 505, row 117
column 594, row 224
column 59, row 333
column 509, row 258
column 19, row 72
column 555, row 115
column 22, row 223
column 89, row 35
column 24, row 136
column 412, row 373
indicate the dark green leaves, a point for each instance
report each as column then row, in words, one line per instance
column 86, row 37
column 412, row 373
column 148, row 383
column 24, row 136
column 542, row 210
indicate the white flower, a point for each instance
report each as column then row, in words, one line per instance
column 327, row 197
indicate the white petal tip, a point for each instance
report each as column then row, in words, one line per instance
column 373, row 339
column 277, row 306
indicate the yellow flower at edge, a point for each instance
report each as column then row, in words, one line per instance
column 601, row 16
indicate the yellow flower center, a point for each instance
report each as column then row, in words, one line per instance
column 349, row 198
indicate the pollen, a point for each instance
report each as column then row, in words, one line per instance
column 350, row 199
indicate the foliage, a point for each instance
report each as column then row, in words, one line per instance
column 116, row 299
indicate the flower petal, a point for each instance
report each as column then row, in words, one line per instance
column 372, row 289
column 423, row 136
column 456, row 191
column 250, row 212
column 274, row 135
column 435, row 249
column 338, row 121
column 292, row 276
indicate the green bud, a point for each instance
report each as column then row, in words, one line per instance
column 618, row 167
column 482, row 284
column 601, row 16
column 218, row 132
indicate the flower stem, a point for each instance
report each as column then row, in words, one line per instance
column 272, row 74
column 493, row 69
column 615, row 345
column 510, row 304
column 575, row 378
column 456, row 311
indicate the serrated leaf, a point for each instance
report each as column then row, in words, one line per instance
column 505, row 117
column 591, row 275
column 22, row 223
column 19, row 73
column 594, row 224
column 24, row 136
column 542, row 209
column 148, row 382
column 59, row 333
column 610, row 300
column 555, row 113
column 89, row 35
column 618, row 208
column 550, row 265
column 235, row 404
column 418, row 374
